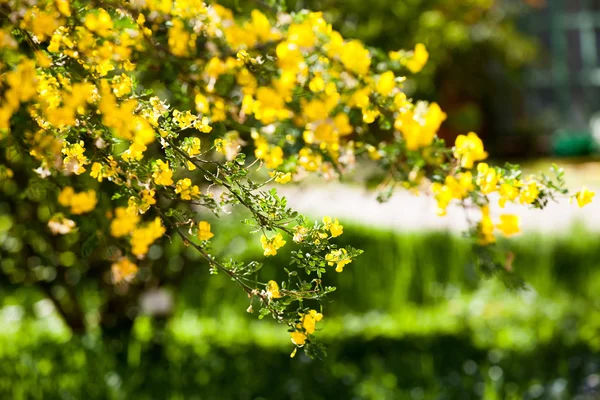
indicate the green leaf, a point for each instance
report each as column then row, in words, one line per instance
column 88, row 246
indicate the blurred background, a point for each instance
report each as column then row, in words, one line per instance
column 412, row 318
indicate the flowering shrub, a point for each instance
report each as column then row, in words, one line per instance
column 133, row 122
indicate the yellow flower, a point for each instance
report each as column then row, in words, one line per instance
column 369, row 115
column 486, row 227
column 355, row 57
column 280, row 177
column 374, row 154
column 419, row 58
column 63, row 7
column 186, row 190
column 443, row 196
column 183, row 119
column 386, row 83
column 298, row 338
column 123, row 270
column 584, row 196
column 461, row 185
column 162, row 174
column 75, row 160
column 338, row 257
column 202, row 125
column 334, row 227
column 508, row 192
column 65, row 196
column 420, row 125
column 137, row 206
column 99, row 22
column 79, row 203
column 317, row 84
column 300, row 233
column 147, row 200
column 270, row 246
column 487, row 178
column 135, row 152
column 530, row 194
column 310, row 320
column 509, row 224
column 124, row 222
column 469, row 149
column 204, row 232
column 143, row 236
column 180, row 40
column 273, row 290
column 302, row 35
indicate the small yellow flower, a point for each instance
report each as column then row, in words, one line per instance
column 123, row 270
column 486, row 227
column 584, row 196
column 487, row 178
column 338, row 257
column 309, row 321
column 386, row 83
column 124, row 222
column 281, row 177
column 509, row 224
column 186, row 190
column 162, row 174
column 443, row 196
column 530, row 194
column 334, row 227
column 183, row 119
column 202, row 125
column 143, row 236
column 298, row 338
column 420, row 56
column 135, row 152
column 270, row 246
column 99, row 22
column 469, row 149
column 204, row 232
column 273, row 290
column 80, row 203
column 508, row 192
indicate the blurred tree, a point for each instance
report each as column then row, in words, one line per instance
column 476, row 55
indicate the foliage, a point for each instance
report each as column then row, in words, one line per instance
column 434, row 329
column 126, row 124
column 477, row 49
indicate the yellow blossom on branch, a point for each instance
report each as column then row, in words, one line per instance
column 419, row 58
column 186, row 190
column 270, row 246
column 339, row 258
column 333, row 226
column 273, row 290
column 123, row 222
column 143, row 236
column 204, row 232
column 469, row 149
column 584, row 196
column 123, row 270
column 509, row 224
column 162, row 175
column 79, row 203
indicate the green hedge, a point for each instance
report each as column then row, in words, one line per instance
column 411, row 319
